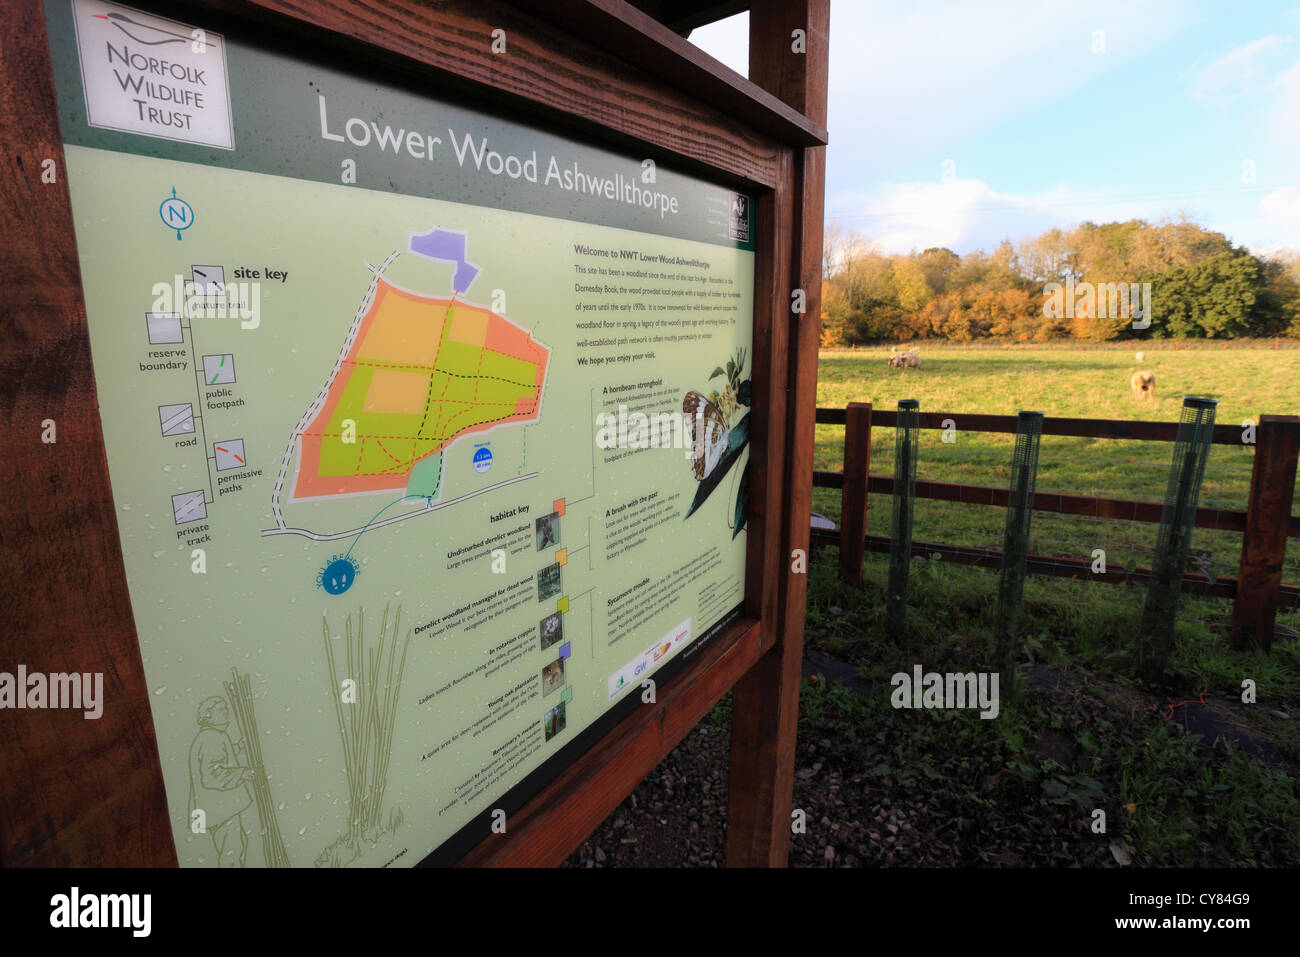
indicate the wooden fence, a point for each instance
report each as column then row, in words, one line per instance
column 1265, row 525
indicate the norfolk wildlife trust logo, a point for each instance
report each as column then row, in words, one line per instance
column 83, row 692
column 946, row 690
column 151, row 76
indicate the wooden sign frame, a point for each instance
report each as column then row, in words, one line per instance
column 77, row 792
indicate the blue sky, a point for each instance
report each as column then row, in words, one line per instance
column 960, row 124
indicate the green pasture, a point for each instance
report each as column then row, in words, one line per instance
column 1067, row 380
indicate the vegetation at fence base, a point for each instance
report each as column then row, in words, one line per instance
column 1182, row 782
column 1201, row 286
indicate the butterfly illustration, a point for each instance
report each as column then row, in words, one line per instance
column 708, row 432
column 716, row 443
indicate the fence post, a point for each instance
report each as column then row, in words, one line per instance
column 853, row 518
column 900, row 521
column 1263, row 546
column 1177, row 519
column 1015, row 544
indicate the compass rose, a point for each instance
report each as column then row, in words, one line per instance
column 176, row 213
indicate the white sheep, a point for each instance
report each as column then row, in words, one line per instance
column 905, row 360
column 1143, row 383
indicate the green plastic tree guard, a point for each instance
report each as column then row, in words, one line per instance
column 1015, row 544
column 900, row 520
column 1191, row 451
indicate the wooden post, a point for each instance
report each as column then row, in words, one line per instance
column 72, row 791
column 1263, row 545
column 853, row 514
column 765, row 703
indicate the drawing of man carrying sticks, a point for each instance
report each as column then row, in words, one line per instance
column 218, row 783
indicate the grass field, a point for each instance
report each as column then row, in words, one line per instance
column 1221, row 790
column 1072, row 381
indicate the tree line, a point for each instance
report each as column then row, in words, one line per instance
column 1197, row 283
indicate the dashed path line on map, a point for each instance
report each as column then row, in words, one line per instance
column 402, row 366
column 428, row 396
column 478, row 381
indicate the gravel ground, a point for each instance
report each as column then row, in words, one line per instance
column 875, row 796
column 649, row 829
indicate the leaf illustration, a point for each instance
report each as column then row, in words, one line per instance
column 742, row 502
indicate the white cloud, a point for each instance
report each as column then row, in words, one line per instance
column 911, row 80
column 1280, row 212
column 911, row 83
column 1284, row 115
column 968, row 214
column 908, row 216
column 1281, row 204
column 1243, row 71
column 907, row 79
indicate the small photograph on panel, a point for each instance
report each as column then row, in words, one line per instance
column 551, row 629
column 548, row 530
column 554, row 721
column 553, row 677
column 548, row 582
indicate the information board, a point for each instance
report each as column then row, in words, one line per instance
column 427, row 431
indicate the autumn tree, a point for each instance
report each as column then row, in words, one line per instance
column 1201, row 285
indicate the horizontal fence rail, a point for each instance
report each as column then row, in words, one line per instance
column 1076, row 428
column 1193, row 583
column 1265, row 525
column 1128, row 510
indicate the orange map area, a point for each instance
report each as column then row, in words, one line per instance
column 420, row 373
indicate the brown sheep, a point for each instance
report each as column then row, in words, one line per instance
column 1143, row 383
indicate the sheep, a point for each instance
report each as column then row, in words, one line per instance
column 1143, row 383
column 1140, row 357
column 905, row 360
